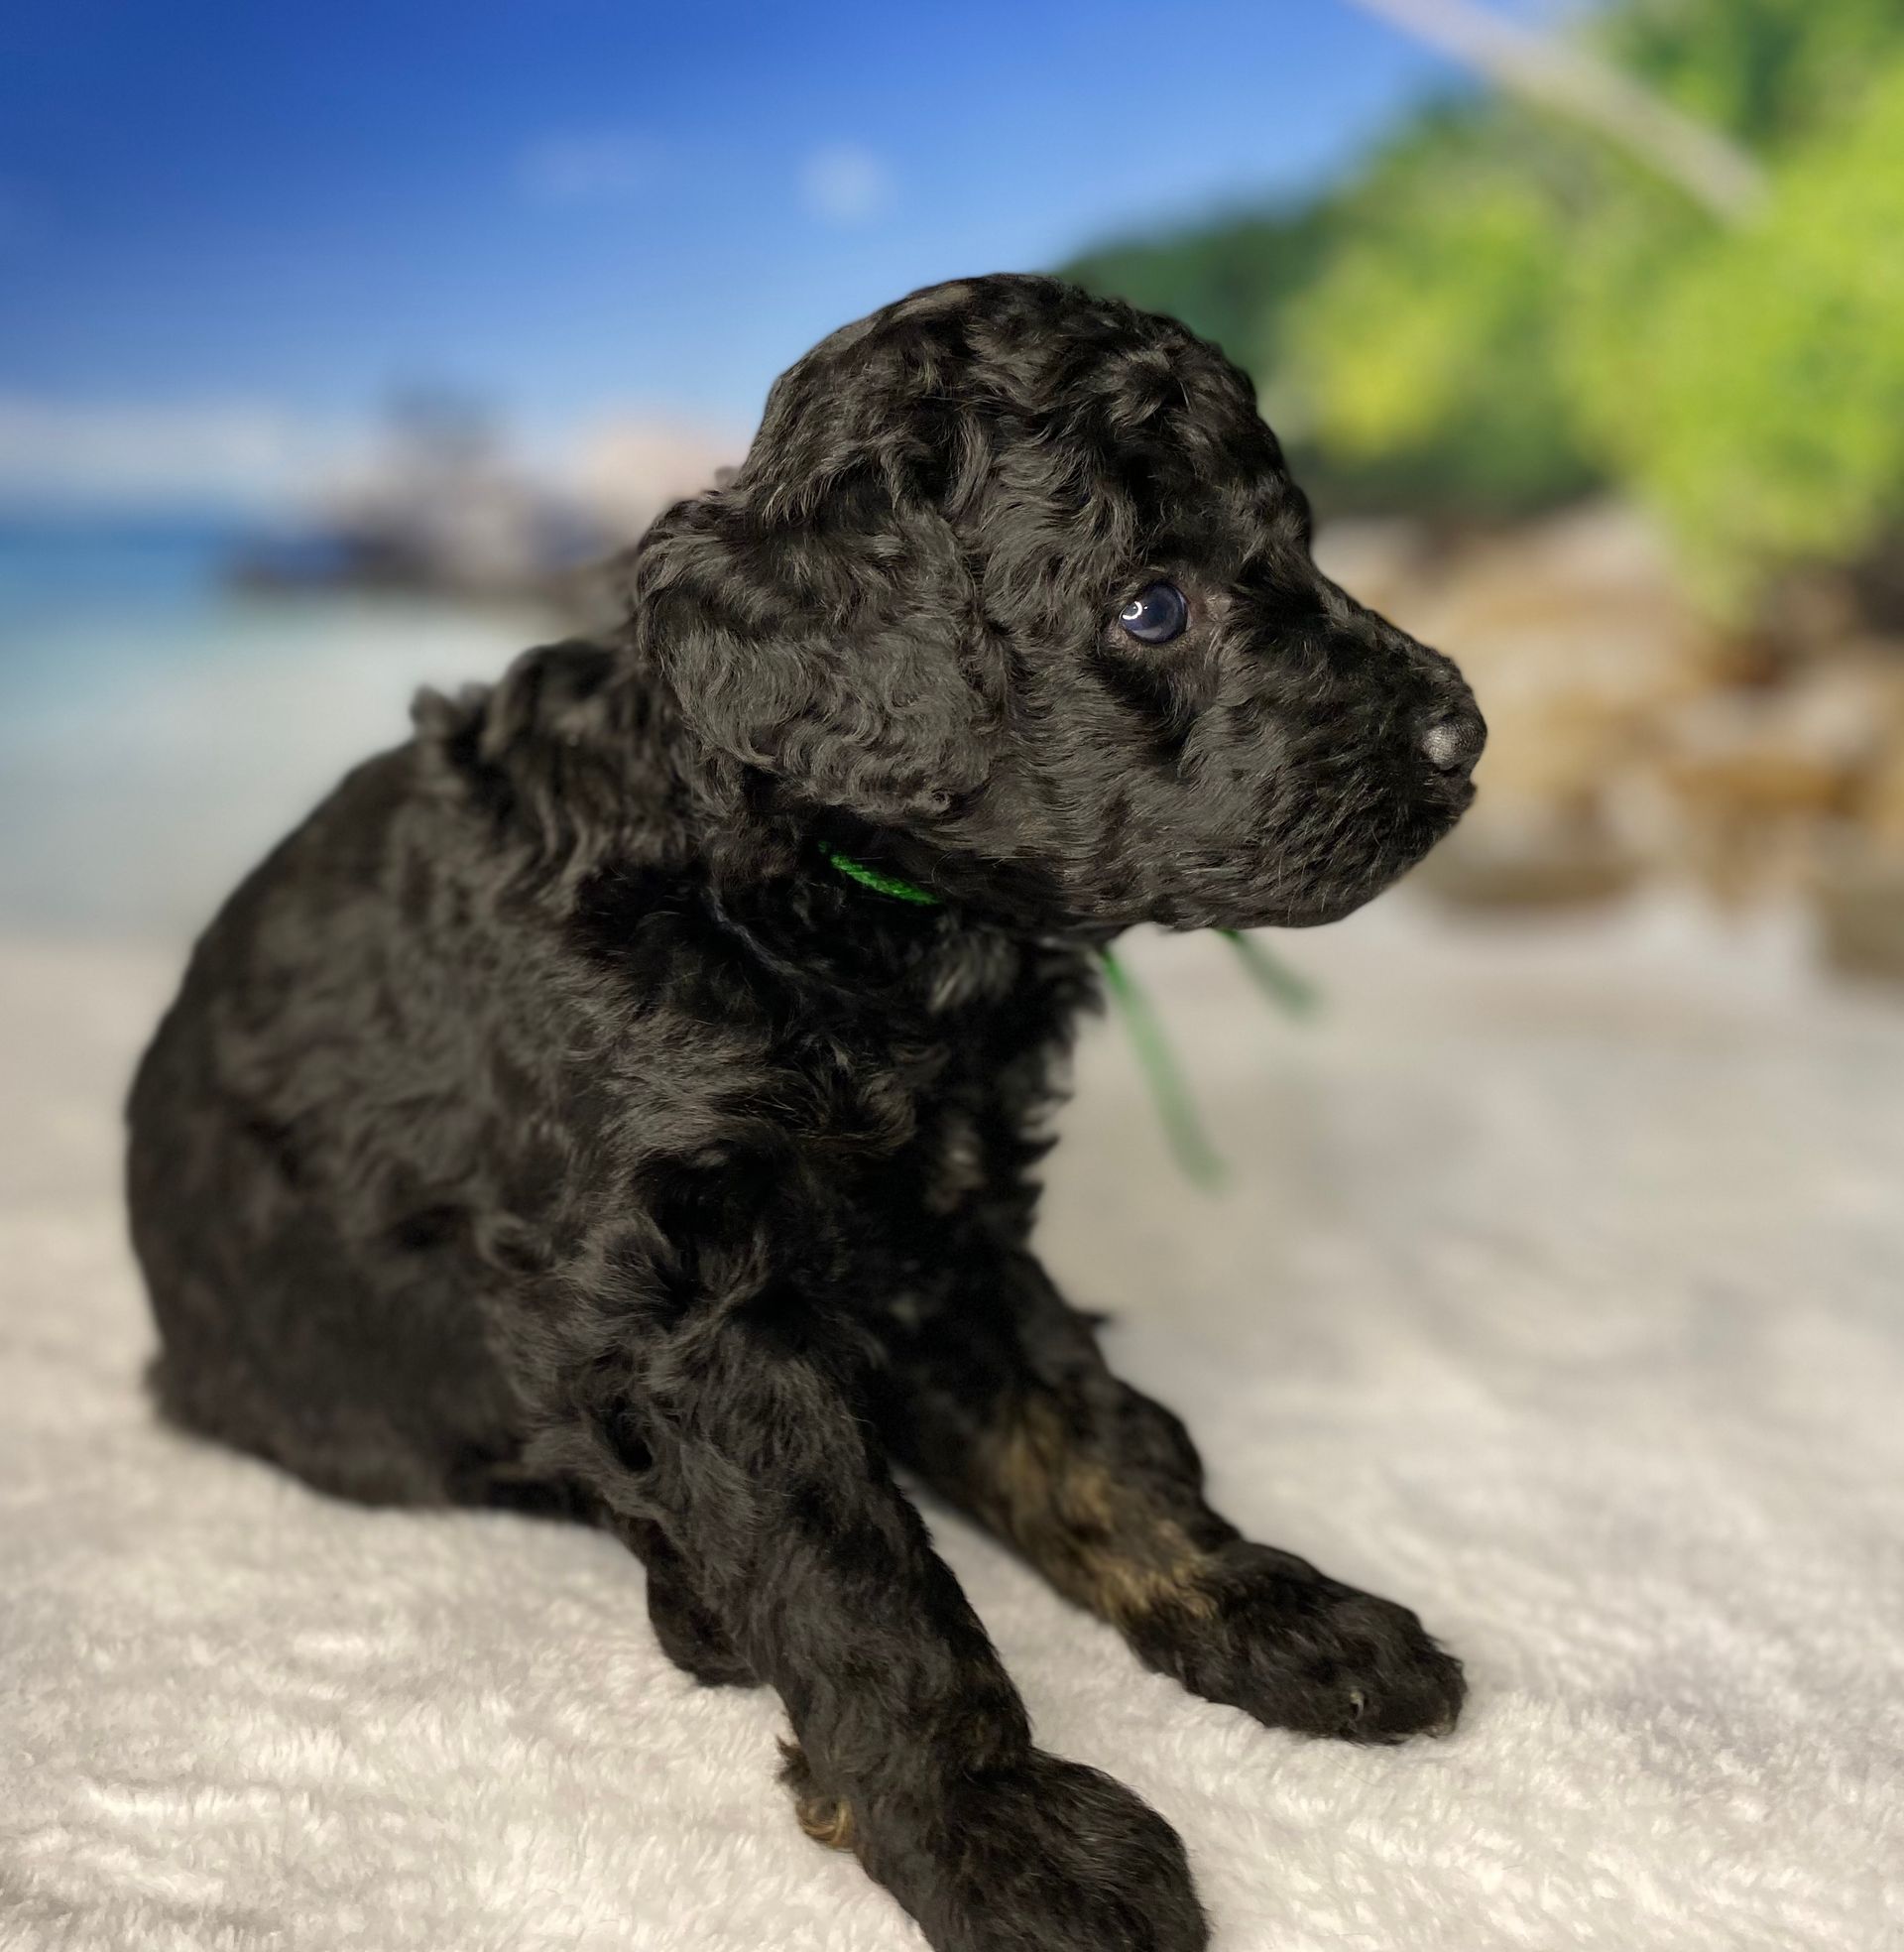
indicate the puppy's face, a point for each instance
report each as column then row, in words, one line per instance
column 1014, row 591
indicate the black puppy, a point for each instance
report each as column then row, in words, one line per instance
column 584, row 1109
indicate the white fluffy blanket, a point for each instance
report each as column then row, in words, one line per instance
column 1562, row 1294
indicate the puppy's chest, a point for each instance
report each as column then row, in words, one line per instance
column 890, row 1218
column 925, row 1128
column 898, row 1072
column 889, row 1106
column 942, row 1165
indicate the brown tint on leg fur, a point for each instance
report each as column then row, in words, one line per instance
column 826, row 1819
column 1097, row 1538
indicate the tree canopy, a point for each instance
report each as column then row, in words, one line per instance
column 1499, row 310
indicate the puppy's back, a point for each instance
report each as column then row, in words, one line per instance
column 312, row 1062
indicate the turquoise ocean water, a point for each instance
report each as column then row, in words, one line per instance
column 158, row 729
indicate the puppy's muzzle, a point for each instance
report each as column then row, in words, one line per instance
column 1450, row 742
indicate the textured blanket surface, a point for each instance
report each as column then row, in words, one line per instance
column 1560, row 1294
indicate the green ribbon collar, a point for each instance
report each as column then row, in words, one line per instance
column 882, row 883
column 1169, row 1089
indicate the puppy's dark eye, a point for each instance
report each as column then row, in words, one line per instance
column 1155, row 615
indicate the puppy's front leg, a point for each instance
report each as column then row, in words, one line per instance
column 1001, row 1400
column 740, row 1432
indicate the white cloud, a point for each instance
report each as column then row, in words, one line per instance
column 93, row 453
column 605, row 167
column 845, row 184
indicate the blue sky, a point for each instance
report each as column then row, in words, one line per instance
column 568, row 207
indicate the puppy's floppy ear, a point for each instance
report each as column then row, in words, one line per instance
column 818, row 622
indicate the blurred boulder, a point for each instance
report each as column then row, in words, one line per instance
column 1762, row 778
column 1548, row 860
column 1880, row 809
column 443, row 506
column 1861, row 911
column 1631, row 736
column 1580, row 649
column 1579, row 646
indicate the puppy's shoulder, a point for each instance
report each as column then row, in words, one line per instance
column 549, row 692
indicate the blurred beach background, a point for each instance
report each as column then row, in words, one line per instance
column 338, row 344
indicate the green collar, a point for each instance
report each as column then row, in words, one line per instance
column 1170, row 1090
column 881, row 884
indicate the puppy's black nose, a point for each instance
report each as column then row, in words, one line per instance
column 1453, row 742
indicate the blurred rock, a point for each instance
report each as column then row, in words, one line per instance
column 1761, row 777
column 1579, row 646
column 1580, row 649
column 1880, row 810
column 1860, row 911
column 1540, row 863
column 442, row 507
column 1630, row 736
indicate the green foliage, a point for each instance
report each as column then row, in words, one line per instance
column 1766, row 413
column 1422, row 348
column 1500, row 311
column 1770, row 72
column 1229, row 281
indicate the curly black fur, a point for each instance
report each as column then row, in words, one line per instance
column 546, row 1122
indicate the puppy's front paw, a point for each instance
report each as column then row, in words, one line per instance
column 1267, row 1633
column 1040, row 1856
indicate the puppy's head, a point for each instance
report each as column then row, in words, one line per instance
column 1014, row 593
